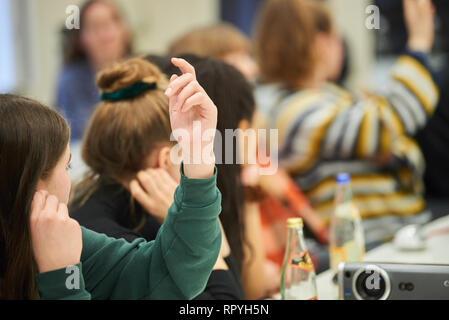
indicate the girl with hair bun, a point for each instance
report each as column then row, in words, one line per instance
column 132, row 171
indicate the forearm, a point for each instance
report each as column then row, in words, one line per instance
column 413, row 93
column 197, row 165
column 199, row 171
column 194, row 219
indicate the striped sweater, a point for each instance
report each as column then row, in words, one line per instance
column 328, row 130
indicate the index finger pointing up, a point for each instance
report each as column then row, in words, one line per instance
column 183, row 65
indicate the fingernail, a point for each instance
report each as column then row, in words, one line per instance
column 168, row 91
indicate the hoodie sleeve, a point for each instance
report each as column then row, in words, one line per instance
column 176, row 265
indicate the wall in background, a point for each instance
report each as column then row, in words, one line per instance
column 155, row 24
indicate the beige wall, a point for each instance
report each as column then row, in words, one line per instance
column 350, row 17
column 155, row 24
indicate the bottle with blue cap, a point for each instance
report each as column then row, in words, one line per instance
column 346, row 238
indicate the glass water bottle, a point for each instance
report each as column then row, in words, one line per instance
column 298, row 279
column 346, row 238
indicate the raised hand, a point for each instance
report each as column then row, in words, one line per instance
column 189, row 106
column 55, row 237
column 419, row 19
column 154, row 190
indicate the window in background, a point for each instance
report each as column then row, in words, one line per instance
column 7, row 63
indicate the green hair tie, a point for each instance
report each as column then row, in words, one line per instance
column 129, row 92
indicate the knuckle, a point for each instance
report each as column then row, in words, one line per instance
column 34, row 218
column 63, row 207
column 134, row 191
column 73, row 222
column 188, row 78
column 142, row 176
column 139, row 174
column 48, row 217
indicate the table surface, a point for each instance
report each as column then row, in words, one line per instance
column 436, row 252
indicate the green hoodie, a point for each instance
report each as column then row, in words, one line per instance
column 176, row 265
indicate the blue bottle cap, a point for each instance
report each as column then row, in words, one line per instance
column 343, row 178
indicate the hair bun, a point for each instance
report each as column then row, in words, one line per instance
column 121, row 75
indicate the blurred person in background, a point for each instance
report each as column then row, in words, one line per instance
column 335, row 51
column 102, row 39
column 222, row 42
column 325, row 130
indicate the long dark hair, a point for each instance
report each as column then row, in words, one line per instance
column 233, row 96
column 73, row 51
column 32, row 139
